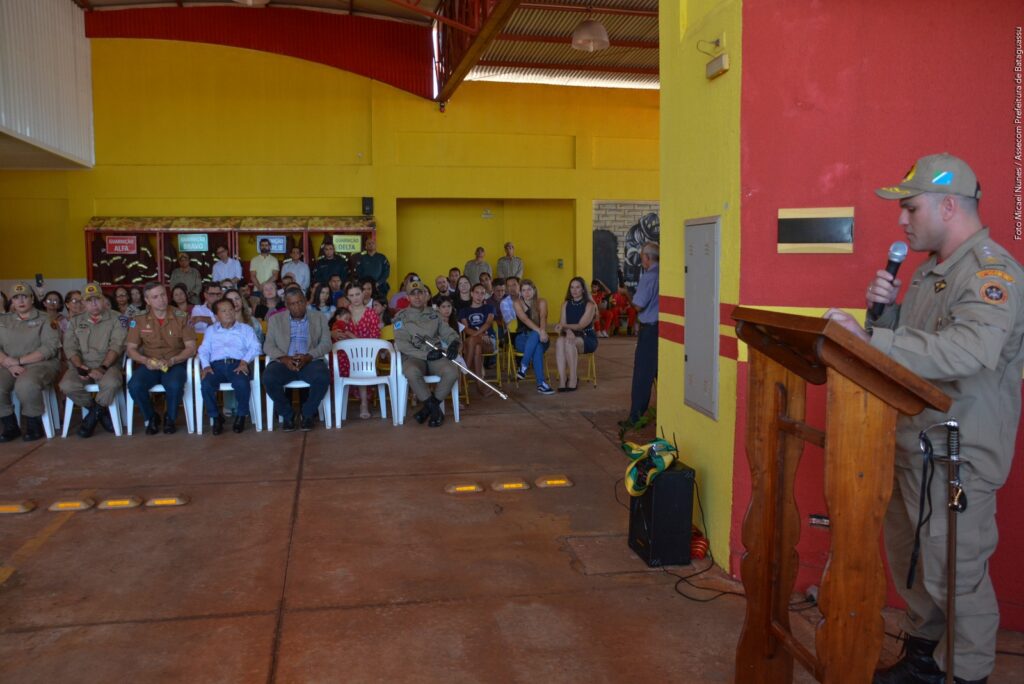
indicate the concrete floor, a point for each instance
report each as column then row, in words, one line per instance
column 336, row 556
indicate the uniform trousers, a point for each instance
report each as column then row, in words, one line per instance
column 28, row 387
column 143, row 379
column 278, row 375
column 224, row 371
column 110, row 386
column 414, row 371
column 645, row 369
column 977, row 612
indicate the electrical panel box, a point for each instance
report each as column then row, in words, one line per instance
column 702, row 244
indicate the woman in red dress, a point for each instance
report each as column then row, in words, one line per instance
column 359, row 321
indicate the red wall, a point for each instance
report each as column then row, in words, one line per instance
column 840, row 98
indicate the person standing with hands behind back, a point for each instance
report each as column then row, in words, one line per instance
column 645, row 358
column 961, row 327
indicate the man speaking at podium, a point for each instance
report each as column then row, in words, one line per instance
column 961, row 327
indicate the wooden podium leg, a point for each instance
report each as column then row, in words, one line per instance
column 771, row 527
column 860, row 438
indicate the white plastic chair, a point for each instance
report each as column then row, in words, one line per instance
column 117, row 410
column 51, row 411
column 255, row 405
column 402, row 405
column 362, row 364
column 187, row 397
column 325, row 404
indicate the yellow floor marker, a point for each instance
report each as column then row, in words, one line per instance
column 509, row 485
column 66, row 505
column 548, row 481
column 161, row 501
column 463, row 488
column 16, row 507
column 119, row 502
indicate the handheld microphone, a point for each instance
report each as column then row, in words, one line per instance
column 897, row 253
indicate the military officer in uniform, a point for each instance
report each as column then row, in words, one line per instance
column 93, row 345
column 29, row 361
column 160, row 342
column 960, row 326
column 412, row 325
column 373, row 264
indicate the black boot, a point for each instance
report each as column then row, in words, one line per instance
column 218, row 425
column 436, row 416
column 154, row 425
column 424, row 412
column 105, row 420
column 239, row 425
column 33, row 429
column 11, row 429
column 88, row 425
column 917, row 666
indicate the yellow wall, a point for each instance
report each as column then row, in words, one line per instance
column 700, row 174
column 438, row 234
column 192, row 129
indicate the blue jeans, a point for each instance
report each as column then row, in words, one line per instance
column 224, row 371
column 532, row 349
column 144, row 378
column 645, row 370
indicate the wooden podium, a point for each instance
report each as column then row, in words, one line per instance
column 866, row 390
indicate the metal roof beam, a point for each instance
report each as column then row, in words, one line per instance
column 493, row 23
column 585, row 9
column 645, row 71
column 567, row 40
column 415, row 8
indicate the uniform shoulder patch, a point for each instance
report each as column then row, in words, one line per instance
column 995, row 273
column 994, row 292
column 133, row 323
column 398, row 324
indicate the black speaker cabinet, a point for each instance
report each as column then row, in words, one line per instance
column 367, row 206
column 660, row 521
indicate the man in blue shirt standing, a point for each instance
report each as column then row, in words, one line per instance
column 226, row 355
column 645, row 359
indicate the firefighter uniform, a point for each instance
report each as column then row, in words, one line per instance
column 159, row 340
column 90, row 340
column 20, row 336
column 412, row 324
column 960, row 326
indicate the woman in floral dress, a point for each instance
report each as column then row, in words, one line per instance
column 359, row 321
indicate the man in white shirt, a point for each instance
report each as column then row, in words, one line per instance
column 227, row 354
column 226, row 267
column 202, row 314
column 297, row 269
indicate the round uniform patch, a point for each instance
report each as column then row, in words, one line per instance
column 994, row 293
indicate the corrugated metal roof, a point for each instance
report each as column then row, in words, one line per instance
column 534, row 44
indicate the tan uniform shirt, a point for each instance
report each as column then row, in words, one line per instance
column 191, row 279
column 510, row 266
column 92, row 340
column 19, row 337
column 426, row 322
column 961, row 326
column 158, row 340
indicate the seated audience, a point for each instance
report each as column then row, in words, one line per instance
column 53, row 306
column 161, row 343
column 243, row 314
column 485, row 280
column 296, row 345
column 270, row 303
column 245, row 289
column 622, row 305
column 227, row 270
column 420, row 321
column 441, row 283
column 369, row 286
column 478, row 335
column 576, row 334
column 358, row 322
column 136, row 299
column 600, row 293
column 296, row 268
column 380, row 307
column 187, row 276
column 202, row 314
column 321, row 301
column 93, row 345
column 400, row 299
column 507, row 305
column 454, row 273
column 335, row 285
column 179, row 299
column 228, row 351
column 532, row 337
column 463, row 295
column 74, row 304
column 122, row 301
column 29, row 362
